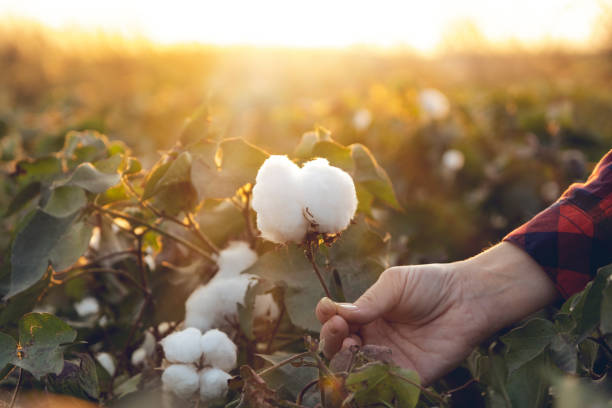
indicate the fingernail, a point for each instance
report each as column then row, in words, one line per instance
column 327, row 302
column 349, row 307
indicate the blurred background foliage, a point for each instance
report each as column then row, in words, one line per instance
column 521, row 127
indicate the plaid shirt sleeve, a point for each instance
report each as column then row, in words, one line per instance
column 572, row 238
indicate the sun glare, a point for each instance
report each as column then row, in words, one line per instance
column 423, row 26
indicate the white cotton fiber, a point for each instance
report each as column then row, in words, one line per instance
column 138, row 356
column 211, row 305
column 330, row 200
column 213, row 384
column 87, row 306
column 434, row 103
column 453, row 160
column 106, row 361
column 266, row 307
column 235, row 258
column 182, row 379
column 183, row 346
column 219, row 350
column 277, row 200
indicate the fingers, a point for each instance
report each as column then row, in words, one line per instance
column 326, row 308
column 352, row 340
column 379, row 299
column 333, row 333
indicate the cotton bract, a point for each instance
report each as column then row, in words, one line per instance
column 330, row 200
column 237, row 257
column 183, row 346
column 219, row 350
column 213, row 384
column 277, row 200
column 181, row 379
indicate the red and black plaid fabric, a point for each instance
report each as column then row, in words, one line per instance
column 572, row 238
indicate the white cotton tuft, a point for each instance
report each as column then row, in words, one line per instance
column 213, row 384
column 211, row 305
column 106, row 361
column 362, row 119
column 148, row 344
column 219, row 350
column 434, row 103
column 453, row 160
column 235, row 258
column 87, row 306
column 330, row 200
column 138, row 356
column 182, row 379
column 266, row 307
column 183, row 346
column 277, row 200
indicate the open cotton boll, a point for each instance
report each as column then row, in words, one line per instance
column 183, row 346
column 219, row 350
column 434, row 103
column 453, row 160
column 181, row 379
column 209, row 306
column 277, row 200
column 87, row 306
column 330, row 200
column 106, row 361
column 266, row 307
column 213, row 384
column 237, row 257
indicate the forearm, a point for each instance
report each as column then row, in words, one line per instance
column 505, row 284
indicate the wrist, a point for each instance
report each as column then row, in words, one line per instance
column 503, row 285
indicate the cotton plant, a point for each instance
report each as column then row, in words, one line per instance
column 434, row 104
column 198, row 362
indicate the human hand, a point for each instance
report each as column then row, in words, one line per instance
column 432, row 316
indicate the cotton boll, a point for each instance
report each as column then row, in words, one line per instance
column 266, row 307
column 163, row 327
column 434, row 103
column 106, row 361
column 453, row 160
column 237, row 257
column 182, row 379
column 183, row 346
column 213, row 384
column 87, row 306
column 330, row 200
column 209, row 306
column 277, row 200
column 362, row 119
column 148, row 344
column 138, row 356
column 219, row 350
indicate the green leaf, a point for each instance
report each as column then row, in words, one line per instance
column 588, row 310
column 377, row 383
column 23, row 197
column 359, row 257
column 32, row 247
column 304, row 149
column 41, row 336
column 528, row 386
column 289, row 267
column 372, row 176
column 8, row 350
column 65, row 201
column 71, row 246
column 335, row 153
column 570, row 392
column 78, row 378
column 91, row 179
column 109, row 165
column 288, row 378
column 238, row 163
column 43, row 170
column 220, row 220
column 564, row 353
column 133, row 166
column 178, row 172
column 527, row 342
column 128, row 386
column 606, row 307
column 155, row 175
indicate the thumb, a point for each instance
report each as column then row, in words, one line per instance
column 378, row 300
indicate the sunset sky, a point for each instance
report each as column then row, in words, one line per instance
column 419, row 25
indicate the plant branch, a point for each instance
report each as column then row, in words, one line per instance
column 98, row 260
column 246, row 212
column 167, row 234
column 275, row 329
column 310, row 254
column 284, row 362
column 304, row 390
column 14, row 397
